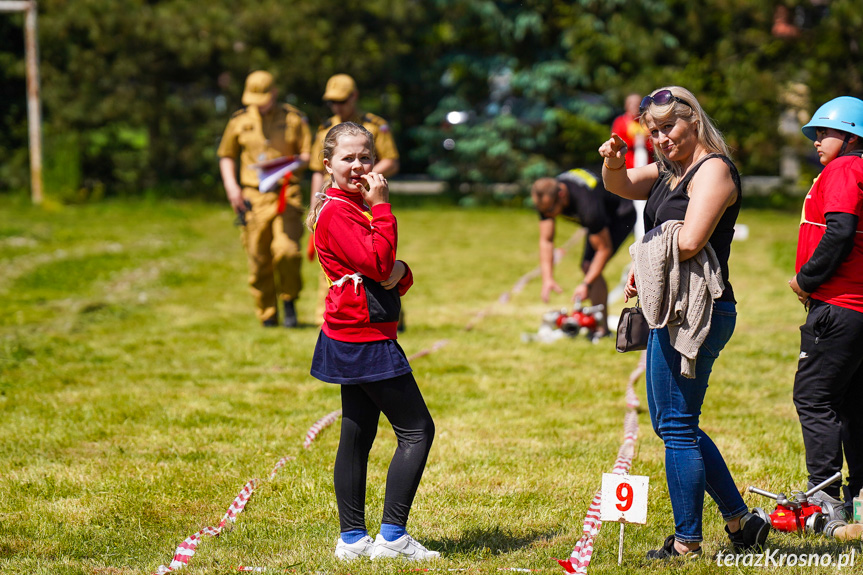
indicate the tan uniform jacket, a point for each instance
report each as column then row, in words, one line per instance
column 385, row 146
column 283, row 131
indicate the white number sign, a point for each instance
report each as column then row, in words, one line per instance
column 624, row 498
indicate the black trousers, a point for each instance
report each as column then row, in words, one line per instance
column 828, row 394
column 400, row 400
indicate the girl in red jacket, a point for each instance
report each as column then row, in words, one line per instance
column 355, row 238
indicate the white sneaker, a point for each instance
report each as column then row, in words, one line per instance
column 350, row 551
column 405, row 547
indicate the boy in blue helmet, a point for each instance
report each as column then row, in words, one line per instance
column 828, row 387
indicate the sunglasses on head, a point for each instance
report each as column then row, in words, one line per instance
column 660, row 98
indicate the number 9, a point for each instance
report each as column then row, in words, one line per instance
column 624, row 495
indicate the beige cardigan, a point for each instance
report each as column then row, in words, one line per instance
column 674, row 293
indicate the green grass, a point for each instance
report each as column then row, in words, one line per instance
column 138, row 395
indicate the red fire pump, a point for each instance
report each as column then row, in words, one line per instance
column 580, row 320
column 796, row 513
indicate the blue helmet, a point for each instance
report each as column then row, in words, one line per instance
column 843, row 113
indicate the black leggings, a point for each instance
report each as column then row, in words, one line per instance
column 402, row 403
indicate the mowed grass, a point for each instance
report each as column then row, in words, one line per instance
column 138, row 395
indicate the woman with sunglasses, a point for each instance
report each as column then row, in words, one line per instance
column 693, row 181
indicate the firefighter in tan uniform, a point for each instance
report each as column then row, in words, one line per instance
column 265, row 130
column 341, row 96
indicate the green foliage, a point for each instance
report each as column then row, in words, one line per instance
column 61, row 173
column 145, row 88
column 13, row 104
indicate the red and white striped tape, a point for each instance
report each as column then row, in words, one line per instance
column 467, row 569
column 518, row 287
column 423, row 352
column 279, row 464
column 506, row 296
column 522, row 282
column 320, row 425
column 632, row 401
column 187, row 549
column 581, row 554
column 534, row 273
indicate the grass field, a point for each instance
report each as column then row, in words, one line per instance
column 138, row 395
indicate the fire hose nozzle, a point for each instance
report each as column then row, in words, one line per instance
column 753, row 489
column 837, row 476
column 594, row 309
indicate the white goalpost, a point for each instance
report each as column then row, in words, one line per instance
column 34, row 107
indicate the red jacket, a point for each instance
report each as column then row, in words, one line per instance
column 627, row 127
column 351, row 240
column 839, row 188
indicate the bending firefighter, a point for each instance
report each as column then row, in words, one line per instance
column 579, row 195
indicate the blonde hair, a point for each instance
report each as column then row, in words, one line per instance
column 332, row 140
column 709, row 137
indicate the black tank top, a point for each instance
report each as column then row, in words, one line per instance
column 666, row 203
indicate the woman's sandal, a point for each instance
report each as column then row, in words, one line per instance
column 667, row 551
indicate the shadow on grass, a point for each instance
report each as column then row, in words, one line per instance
column 496, row 540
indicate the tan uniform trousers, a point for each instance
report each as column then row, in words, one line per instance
column 272, row 243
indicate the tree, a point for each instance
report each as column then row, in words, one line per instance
column 555, row 53
column 13, row 110
column 137, row 92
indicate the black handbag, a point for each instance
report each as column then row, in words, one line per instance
column 632, row 330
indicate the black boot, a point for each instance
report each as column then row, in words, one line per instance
column 290, row 319
column 272, row 321
column 752, row 534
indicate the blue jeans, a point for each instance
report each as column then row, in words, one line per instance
column 693, row 464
